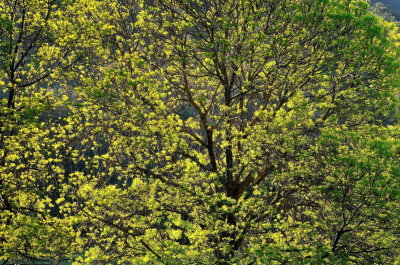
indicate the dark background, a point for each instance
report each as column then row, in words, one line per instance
column 392, row 5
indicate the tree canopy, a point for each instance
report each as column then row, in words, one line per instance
column 199, row 132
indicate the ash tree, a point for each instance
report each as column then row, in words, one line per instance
column 44, row 45
column 241, row 132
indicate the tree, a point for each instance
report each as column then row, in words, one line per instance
column 42, row 42
column 240, row 132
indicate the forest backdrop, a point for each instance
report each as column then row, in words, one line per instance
column 393, row 6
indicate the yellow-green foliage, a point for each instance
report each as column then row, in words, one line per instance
column 199, row 132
